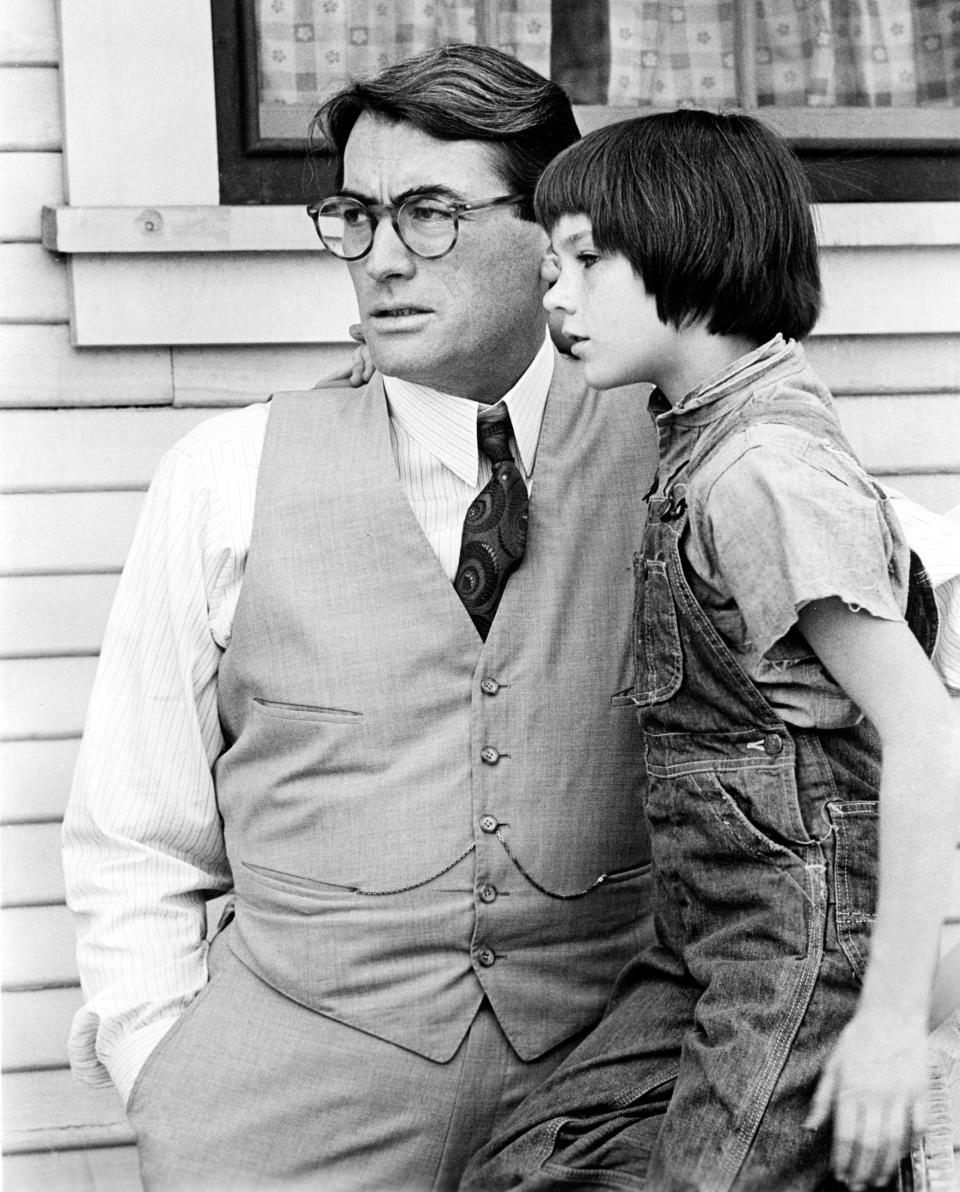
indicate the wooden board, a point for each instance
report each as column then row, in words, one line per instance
column 105, row 1169
column 35, row 779
column 34, row 284
column 940, row 492
column 920, row 432
column 39, row 947
column 47, row 450
column 28, row 182
column 53, row 1110
column 54, row 615
column 897, row 364
column 248, row 373
column 28, row 32
column 889, row 291
column 44, row 697
column 36, row 1026
column 211, row 298
column 30, row 108
column 42, row 533
column 31, row 873
column 42, row 368
column 123, row 146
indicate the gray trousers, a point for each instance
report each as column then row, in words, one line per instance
column 251, row 1090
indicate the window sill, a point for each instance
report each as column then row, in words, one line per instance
column 126, row 230
column 168, row 275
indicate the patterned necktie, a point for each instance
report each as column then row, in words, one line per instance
column 494, row 529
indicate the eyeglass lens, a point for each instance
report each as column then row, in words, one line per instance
column 427, row 227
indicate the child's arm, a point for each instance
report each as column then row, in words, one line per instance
column 873, row 1085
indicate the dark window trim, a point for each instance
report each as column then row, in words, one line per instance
column 254, row 170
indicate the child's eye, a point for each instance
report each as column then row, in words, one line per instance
column 588, row 259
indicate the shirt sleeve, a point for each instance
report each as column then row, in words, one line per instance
column 142, row 841
column 785, row 521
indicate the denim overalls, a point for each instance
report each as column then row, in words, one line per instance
column 764, row 843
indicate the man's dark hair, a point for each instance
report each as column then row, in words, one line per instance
column 463, row 92
column 713, row 212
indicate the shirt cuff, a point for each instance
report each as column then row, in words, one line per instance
column 131, row 1054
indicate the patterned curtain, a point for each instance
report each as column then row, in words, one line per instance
column 810, row 53
column 308, row 47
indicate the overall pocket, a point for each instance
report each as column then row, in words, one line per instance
column 659, row 659
column 856, row 826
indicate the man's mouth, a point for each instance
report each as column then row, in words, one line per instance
column 398, row 312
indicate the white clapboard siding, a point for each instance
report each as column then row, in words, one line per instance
column 39, row 947
column 28, row 32
column 41, row 368
column 60, row 532
column 87, row 449
column 35, row 778
column 210, row 298
column 36, row 1024
column 32, row 869
column 48, row 615
column 939, row 492
column 48, row 1109
column 239, row 375
column 30, row 108
column 894, row 434
column 859, row 298
column 896, row 364
column 107, row 1169
column 28, row 183
column 34, row 284
column 44, row 697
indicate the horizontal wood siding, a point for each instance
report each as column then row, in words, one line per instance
column 81, row 431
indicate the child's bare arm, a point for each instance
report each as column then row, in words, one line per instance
column 873, row 1085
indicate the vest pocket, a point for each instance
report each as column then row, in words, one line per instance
column 659, row 659
column 289, row 711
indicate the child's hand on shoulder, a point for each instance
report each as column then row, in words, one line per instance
column 359, row 370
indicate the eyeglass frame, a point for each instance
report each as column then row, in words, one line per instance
column 376, row 211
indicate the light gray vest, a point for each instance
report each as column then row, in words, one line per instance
column 416, row 818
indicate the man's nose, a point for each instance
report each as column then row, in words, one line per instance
column 388, row 255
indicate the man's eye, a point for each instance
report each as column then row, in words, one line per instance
column 353, row 216
column 426, row 213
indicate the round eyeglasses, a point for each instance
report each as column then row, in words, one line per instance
column 428, row 226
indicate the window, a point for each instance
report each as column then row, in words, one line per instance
column 867, row 90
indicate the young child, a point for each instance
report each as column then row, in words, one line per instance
column 778, row 1030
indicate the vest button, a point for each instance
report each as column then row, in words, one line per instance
column 489, row 755
column 486, row 957
column 772, row 745
column 488, row 893
column 489, row 686
column 488, row 823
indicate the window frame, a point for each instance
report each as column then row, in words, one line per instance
column 852, row 154
column 155, row 258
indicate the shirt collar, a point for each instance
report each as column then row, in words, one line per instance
column 446, row 426
column 704, row 404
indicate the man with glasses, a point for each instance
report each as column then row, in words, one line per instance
column 369, row 668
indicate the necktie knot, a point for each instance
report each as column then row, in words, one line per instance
column 494, row 438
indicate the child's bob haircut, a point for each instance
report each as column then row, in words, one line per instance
column 712, row 211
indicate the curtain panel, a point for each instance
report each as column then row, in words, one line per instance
column 633, row 53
